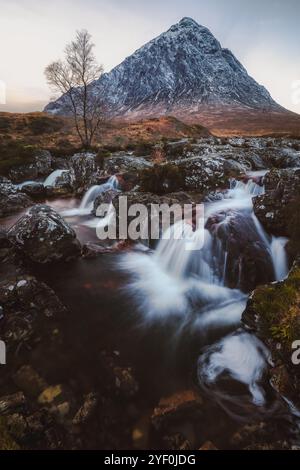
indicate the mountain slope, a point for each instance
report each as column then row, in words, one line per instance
column 183, row 72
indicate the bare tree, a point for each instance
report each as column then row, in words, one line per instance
column 73, row 78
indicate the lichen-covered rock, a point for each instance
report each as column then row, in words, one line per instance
column 274, row 208
column 41, row 166
column 208, row 172
column 178, row 407
column 43, row 236
column 87, row 409
column 104, row 198
column 6, row 246
column 27, row 304
column 11, row 200
column 11, row 403
column 273, row 313
column 84, row 167
column 34, row 190
column 65, row 184
column 124, row 163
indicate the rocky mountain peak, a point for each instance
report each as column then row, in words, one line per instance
column 181, row 72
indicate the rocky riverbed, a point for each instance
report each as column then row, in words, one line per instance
column 121, row 345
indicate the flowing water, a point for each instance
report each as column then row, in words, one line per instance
column 190, row 285
column 178, row 307
column 87, row 203
column 51, row 179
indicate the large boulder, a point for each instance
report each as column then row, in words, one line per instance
column 63, row 185
column 11, row 200
column 274, row 208
column 85, row 168
column 41, row 166
column 204, row 173
column 28, row 308
column 248, row 260
column 43, row 236
column 124, row 163
column 36, row 191
column 273, row 313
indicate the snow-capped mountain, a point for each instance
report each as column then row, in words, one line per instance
column 181, row 72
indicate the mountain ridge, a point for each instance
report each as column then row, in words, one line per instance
column 183, row 72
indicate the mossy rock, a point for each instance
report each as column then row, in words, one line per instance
column 6, row 441
column 274, row 311
column 162, row 179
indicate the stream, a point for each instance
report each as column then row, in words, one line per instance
column 174, row 313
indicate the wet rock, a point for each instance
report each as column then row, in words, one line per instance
column 273, row 313
column 11, row 403
column 84, row 167
column 11, row 200
column 43, row 236
column 6, row 246
column 64, row 185
column 41, row 166
column 17, row 426
column 35, row 191
column 86, row 411
column 180, row 406
column 31, row 311
column 248, row 261
column 124, row 163
column 207, row 173
column 93, row 250
column 208, row 445
column 125, row 381
column 6, row 440
column 177, row 441
column 60, row 163
column 104, row 198
column 259, row 436
column 29, row 381
column 141, row 433
column 273, row 209
column 120, row 379
column 50, row 394
column 43, row 160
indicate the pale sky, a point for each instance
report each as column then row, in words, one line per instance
column 263, row 34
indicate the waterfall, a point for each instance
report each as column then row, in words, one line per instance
column 175, row 283
column 240, row 189
column 90, row 196
column 195, row 263
column 51, row 179
column 279, row 257
column 87, row 202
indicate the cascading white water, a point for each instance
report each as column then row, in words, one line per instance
column 20, row 185
column 90, row 196
column 279, row 257
column 241, row 358
column 191, row 285
column 51, row 179
column 239, row 189
column 87, row 202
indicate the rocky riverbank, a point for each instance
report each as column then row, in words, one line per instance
column 69, row 381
